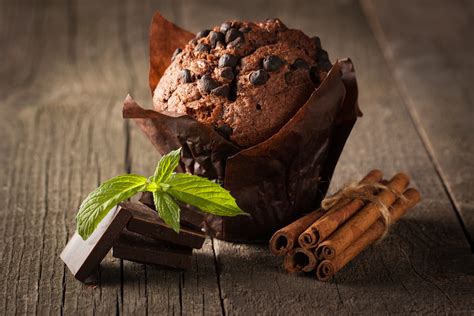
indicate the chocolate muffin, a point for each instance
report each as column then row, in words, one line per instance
column 245, row 79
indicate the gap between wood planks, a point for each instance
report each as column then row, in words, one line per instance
column 382, row 41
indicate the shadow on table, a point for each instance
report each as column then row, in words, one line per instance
column 410, row 252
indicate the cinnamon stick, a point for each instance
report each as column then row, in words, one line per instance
column 343, row 237
column 328, row 267
column 285, row 239
column 335, row 217
column 300, row 259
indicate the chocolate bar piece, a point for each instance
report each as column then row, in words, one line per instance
column 190, row 216
column 147, row 199
column 138, row 248
column 83, row 256
column 145, row 221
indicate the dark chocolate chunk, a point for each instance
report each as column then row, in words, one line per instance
column 258, row 77
column 222, row 91
column 145, row 221
column 227, row 73
column 216, row 37
column 185, row 76
column 191, row 217
column 300, row 64
column 228, row 60
column 202, row 34
column 314, row 75
column 232, row 34
column 317, row 41
column 225, row 27
column 225, row 130
column 176, row 53
column 82, row 257
column 138, row 248
column 147, row 199
column 272, row 63
column 206, row 84
column 202, row 48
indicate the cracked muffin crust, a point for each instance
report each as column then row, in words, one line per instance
column 245, row 79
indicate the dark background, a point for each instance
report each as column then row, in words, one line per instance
column 66, row 66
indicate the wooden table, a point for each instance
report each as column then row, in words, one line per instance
column 66, row 66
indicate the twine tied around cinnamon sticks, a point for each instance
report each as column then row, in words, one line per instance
column 326, row 239
column 366, row 192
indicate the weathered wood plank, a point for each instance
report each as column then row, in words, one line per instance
column 425, row 265
column 69, row 66
column 149, row 289
column 62, row 135
column 427, row 46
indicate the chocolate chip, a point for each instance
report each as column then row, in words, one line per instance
column 245, row 29
column 206, row 84
column 176, row 53
column 258, row 77
column 222, row 91
column 220, row 45
column 232, row 34
column 300, row 64
column 225, row 27
column 317, row 42
column 202, row 34
column 258, row 107
column 322, row 55
column 227, row 73
column 228, row 60
column 272, row 63
column 322, row 58
column 225, row 130
column 185, row 76
column 235, row 42
column 202, row 48
column 314, row 75
column 216, row 37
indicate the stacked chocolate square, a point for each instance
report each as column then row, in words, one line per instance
column 135, row 232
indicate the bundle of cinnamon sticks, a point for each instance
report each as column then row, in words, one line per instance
column 325, row 240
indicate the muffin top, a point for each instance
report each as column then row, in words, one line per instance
column 245, row 79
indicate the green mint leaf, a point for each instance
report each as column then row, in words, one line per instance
column 99, row 202
column 167, row 208
column 200, row 192
column 166, row 166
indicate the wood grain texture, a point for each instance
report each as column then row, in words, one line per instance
column 148, row 289
column 62, row 125
column 69, row 66
column 425, row 265
column 428, row 48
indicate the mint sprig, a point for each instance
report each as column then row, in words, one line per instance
column 167, row 188
column 202, row 193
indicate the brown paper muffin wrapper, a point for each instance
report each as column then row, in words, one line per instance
column 276, row 180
